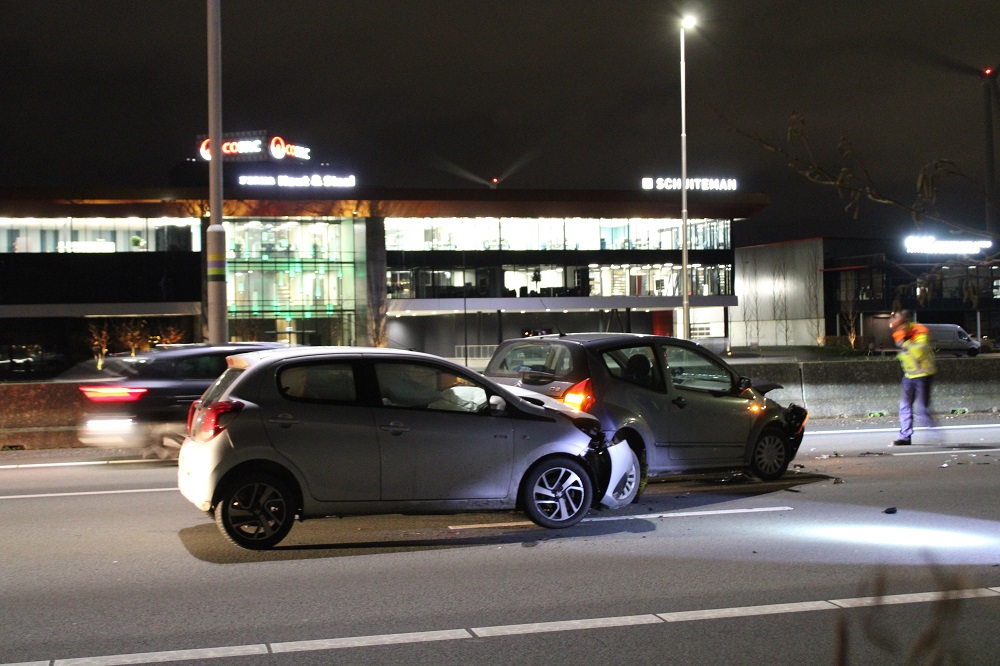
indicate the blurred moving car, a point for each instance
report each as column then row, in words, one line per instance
column 142, row 401
column 311, row 432
column 680, row 407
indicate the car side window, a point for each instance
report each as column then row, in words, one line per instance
column 319, row 382
column 636, row 365
column 690, row 370
column 425, row 386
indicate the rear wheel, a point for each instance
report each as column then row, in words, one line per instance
column 771, row 455
column 255, row 511
column 557, row 493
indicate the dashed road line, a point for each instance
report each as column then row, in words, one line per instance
column 346, row 642
column 601, row 519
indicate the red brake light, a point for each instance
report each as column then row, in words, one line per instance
column 111, row 393
column 580, row 396
column 215, row 418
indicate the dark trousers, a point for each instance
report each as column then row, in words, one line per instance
column 915, row 397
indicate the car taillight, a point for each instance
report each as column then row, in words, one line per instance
column 112, row 393
column 215, row 418
column 580, row 396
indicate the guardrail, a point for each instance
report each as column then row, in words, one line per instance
column 870, row 386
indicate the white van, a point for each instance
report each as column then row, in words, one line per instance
column 952, row 338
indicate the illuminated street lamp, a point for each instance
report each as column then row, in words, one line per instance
column 687, row 23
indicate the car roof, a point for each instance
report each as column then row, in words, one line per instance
column 252, row 357
column 598, row 339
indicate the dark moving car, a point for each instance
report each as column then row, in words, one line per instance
column 142, row 401
column 681, row 408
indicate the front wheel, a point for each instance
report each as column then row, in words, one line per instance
column 771, row 455
column 557, row 493
column 255, row 511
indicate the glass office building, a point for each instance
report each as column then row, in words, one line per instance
column 459, row 268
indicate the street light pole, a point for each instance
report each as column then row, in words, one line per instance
column 215, row 237
column 686, row 22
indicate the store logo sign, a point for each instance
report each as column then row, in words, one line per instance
column 298, row 182
column 727, row 184
column 931, row 245
column 253, row 146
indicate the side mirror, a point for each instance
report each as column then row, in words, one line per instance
column 498, row 406
column 742, row 384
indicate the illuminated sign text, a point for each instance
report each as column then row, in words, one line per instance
column 280, row 150
column 250, row 146
column 692, row 183
column 315, row 180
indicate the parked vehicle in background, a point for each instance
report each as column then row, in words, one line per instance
column 679, row 406
column 952, row 338
column 142, row 401
column 318, row 431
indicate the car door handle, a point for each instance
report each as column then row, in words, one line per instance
column 680, row 401
column 283, row 420
column 395, row 427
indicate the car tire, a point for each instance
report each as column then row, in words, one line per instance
column 255, row 511
column 770, row 455
column 557, row 493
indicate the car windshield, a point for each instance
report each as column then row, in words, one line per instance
column 552, row 359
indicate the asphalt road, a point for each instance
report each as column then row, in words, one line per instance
column 863, row 550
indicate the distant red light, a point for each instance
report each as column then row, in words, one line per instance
column 988, row 71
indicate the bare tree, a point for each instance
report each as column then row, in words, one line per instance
column 99, row 338
column 131, row 333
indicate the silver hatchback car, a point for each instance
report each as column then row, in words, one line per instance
column 320, row 431
column 681, row 408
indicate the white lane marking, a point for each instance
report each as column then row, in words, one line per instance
column 918, row 598
column 79, row 463
column 969, row 426
column 745, row 611
column 566, row 625
column 938, row 453
column 90, row 492
column 684, row 514
column 367, row 641
column 516, row 629
column 169, row 655
column 687, row 514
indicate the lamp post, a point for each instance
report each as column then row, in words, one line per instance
column 686, row 23
column 215, row 237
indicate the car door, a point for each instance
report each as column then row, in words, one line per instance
column 437, row 436
column 313, row 414
column 708, row 423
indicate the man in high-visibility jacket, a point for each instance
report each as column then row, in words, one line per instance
column 916, row 355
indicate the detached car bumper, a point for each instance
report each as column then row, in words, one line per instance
column 623, row 478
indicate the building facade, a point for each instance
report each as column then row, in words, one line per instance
column 461, row 269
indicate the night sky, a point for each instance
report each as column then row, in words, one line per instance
column 575, row 94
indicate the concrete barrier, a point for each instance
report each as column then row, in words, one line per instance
column 834, row 389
